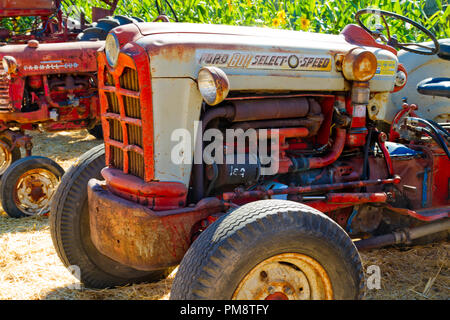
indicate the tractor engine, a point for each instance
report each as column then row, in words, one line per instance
column 51, row 85
column 68, row 96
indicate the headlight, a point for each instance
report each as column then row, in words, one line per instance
column 359, row 65
column 112, row 49
column 9, row 64
column 213, row 84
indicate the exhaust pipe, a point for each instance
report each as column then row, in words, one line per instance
column 403, row 236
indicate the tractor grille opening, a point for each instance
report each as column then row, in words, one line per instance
column 117, row 157
column 132, row 107
column 136, row 163
column 129, row 80
column 135, row 135
column 113, row 103
column 123, row 118
column 115, row 130
column 109, row 80
column 4, row 92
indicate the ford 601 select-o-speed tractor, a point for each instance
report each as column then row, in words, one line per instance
column 48, row 82
column 253, row 158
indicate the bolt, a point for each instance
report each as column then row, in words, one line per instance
column 287, row 290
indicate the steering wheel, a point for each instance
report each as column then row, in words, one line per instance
column 392, row 40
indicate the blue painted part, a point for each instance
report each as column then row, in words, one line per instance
column 350, row 219
column 276, row 185
column 425, row 187
column 399, row 150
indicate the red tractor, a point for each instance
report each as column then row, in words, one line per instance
column 254, row 159
column 48, row 82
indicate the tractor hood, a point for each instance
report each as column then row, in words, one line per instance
column 259, row 58
column 53, row 58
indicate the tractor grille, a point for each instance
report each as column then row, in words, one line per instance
column 5, row 104
column 122, row 119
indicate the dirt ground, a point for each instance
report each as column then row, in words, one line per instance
column 30, row 268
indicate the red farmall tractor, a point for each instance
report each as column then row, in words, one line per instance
column 308, row 176
column 48, row 82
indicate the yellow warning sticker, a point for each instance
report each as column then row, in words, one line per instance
column 386, row 67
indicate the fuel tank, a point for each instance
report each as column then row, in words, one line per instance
column 53, row 58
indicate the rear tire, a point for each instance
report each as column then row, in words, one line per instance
column 221, row 262
column 97, row 132
column 70, row 230
column 28, row 185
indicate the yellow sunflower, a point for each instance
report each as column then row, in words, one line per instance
column 230, row 5
column 276, row 22
column 304, row 23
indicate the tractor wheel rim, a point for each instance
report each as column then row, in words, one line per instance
column 34, row 190
column 286, row 276
column 5, row 157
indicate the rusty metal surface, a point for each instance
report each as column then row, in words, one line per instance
column 54, row 58
column 127, row 114
column 14, row 8
column 139, row 237
column 239, row 194
column 286, row 276
column 34, row 190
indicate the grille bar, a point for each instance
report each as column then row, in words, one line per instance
column 122, row 117
column 5, row 103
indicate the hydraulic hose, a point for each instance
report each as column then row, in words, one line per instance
column 436, row 135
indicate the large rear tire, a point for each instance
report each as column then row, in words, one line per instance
column 97, row 132
column 271, row 249
column 69, row 227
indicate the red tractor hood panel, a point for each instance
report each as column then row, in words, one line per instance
column 53, row 58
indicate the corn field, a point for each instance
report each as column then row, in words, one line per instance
column 324, row 16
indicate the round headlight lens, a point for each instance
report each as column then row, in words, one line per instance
column 359, row 65
column 5, row 65
column 213, row 84
column 9, row 64
column 112, row 49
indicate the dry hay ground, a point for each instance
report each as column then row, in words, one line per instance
column 30, row 268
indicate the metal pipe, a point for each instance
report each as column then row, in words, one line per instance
column 403, row 236
column 248, row 110
column 303, row 163
column 239, row 194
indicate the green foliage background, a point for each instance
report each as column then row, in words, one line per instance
column 325, row 16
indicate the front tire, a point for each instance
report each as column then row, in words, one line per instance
column 97, row 132
column 271, row 249
column 28, row 185
column 70, row 229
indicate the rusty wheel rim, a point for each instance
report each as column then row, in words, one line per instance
column 5, row 157
column 34, row 190
column 286, row 276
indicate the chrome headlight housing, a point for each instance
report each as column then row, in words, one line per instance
column 9, row 64
column 213, row 84
column 112, row 49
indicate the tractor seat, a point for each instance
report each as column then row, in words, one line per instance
column 444, row 50
column 435, row 87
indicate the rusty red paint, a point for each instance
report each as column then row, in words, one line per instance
column 356, row 35
column 136, row 236
column 146, row 105
column 157, row 195
column 239, row 194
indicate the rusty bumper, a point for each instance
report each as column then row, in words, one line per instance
column 136, row 236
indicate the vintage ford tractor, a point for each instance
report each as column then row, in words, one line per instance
column 252, row 156
column 48, row 82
